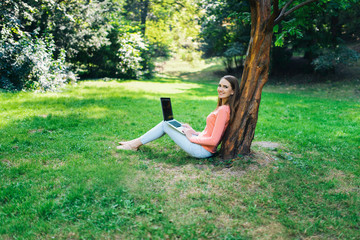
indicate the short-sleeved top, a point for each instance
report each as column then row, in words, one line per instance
column 216, row 124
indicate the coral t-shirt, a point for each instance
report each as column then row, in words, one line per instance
column 216, row 124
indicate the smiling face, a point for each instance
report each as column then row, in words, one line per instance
column 224, row 90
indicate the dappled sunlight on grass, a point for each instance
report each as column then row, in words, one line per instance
column 154, row 87
column 197, row 71
column 178, row 65
column 97, row 112
column 353, row 113
column 146, row 89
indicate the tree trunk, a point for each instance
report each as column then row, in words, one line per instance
column 144, row 13
column 239, row 135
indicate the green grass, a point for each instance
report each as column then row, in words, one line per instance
column 62, row 178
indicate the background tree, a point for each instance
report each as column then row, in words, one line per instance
column 168, row 25
column 321, row 41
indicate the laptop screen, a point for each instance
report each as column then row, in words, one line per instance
column 166, row 108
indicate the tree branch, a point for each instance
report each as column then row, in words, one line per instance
column 282, row 15
column 283, row 9
column 274, row 14
column 299, row 6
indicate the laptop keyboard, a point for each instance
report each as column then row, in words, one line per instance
column 175, row 123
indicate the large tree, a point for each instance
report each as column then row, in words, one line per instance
column 265, row 14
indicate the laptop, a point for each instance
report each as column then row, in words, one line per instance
column 168, row 115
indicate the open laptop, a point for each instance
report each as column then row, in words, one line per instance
column 168, row 115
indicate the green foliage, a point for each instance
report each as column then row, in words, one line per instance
column 330, row 59
column 311, row 31
column 318, row 31
column 130, row 54
column 185, row 29
column 26, row 60
column 28, row 63
column 98, row 41
column 234, row 56
column 225, row 31
column 170, row 26
column 116, row 38
column 288, row 28
column 160, row 37
column 104, row 43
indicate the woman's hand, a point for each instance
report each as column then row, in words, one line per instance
column 188, row 128
column 188, row 132
column 185, row 125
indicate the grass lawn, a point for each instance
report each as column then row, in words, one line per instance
column 62, row 178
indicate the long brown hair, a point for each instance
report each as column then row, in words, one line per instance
column 233, row 100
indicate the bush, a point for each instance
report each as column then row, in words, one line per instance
column 234, row 55
column 330, row 59
column 28, row 63
column 131, row 58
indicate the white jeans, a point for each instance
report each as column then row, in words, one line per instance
column 193, row 149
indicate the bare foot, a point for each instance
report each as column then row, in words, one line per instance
column 130, row 145
column 127, row 147
column 128, row 142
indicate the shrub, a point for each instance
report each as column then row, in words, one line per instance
column 234, row 55
column 130, row 53
column 330, row 59
column 28, row 63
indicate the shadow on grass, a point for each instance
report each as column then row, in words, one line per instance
column 172, row 155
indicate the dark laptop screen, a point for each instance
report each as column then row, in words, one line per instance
column 166, row 108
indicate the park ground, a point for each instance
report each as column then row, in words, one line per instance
column 62, row 177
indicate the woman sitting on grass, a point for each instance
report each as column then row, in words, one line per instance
column 198, row 144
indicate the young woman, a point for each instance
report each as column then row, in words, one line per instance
column 198, row 144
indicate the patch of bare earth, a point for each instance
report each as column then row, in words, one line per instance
column 7, row 163
column 264, row 144
column 36, row 130
column 272, row 230
column 345, row 183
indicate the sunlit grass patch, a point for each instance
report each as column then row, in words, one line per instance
column 178, row 65
column 162, row 88
column 197, row 71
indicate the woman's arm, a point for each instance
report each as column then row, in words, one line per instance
column 221, row 121
column 188, row 128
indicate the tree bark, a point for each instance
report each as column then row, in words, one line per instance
column 144, row 13
column 240, row 133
